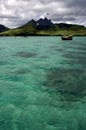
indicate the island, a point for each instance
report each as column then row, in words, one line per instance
column 44, row 27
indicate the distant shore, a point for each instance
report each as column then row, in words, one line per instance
column 44, row 27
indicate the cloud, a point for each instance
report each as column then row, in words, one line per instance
column 14, row 13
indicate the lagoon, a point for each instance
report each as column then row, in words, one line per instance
column 42, row 83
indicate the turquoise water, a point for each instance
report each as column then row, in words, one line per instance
column 42, row 83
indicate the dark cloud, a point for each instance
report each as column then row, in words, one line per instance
column 8, row 17
column 64, row 18
column 16, row 12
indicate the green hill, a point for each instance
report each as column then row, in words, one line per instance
column 44, row 27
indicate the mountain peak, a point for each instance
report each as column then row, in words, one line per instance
column 44, row 22
column 41, row 23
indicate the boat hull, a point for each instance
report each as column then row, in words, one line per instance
column 66, row 37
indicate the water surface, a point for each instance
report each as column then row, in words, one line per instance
column 42, row 83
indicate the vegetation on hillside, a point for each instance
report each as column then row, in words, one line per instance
column 44, row 27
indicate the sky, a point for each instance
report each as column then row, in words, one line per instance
column 14, row 13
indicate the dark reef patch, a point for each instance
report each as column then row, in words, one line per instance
column 71, row 83
column 15, row 78
column 77, row 52
column 1, row 49
column 83, row 48
column 80, row 62
column 22, row 71
column 25, row 54
column 74, row 56
column 2, row 63
column 44, row 57
column 57, row 48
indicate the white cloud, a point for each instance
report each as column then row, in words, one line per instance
column 14, row 13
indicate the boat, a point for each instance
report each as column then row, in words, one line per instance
column 67, row 37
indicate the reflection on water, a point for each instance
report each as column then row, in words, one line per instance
column 42, row 83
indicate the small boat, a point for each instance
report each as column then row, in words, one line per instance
column 67, row 37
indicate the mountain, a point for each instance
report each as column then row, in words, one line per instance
column 39, row 24
column 44, row 24
column 45, row 27
column 3, row 28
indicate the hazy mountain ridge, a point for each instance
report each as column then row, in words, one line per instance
column 45, row 27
